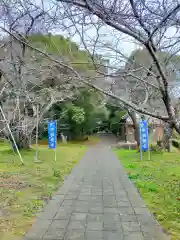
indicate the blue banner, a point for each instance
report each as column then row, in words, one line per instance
column 52, row 134
column 143, row 135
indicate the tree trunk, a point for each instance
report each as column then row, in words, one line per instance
column 167, row 135
column 125, row 132
column 132, row 114
column 22, row 140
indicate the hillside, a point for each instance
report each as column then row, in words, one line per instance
column 58, row 45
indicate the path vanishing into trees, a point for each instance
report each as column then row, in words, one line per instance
column 97, row 201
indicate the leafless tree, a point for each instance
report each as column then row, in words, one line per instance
column 153, row 27
column 28, row 79
column 142, row 81
column 33, row 81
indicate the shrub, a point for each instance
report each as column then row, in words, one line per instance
column 176, row 143
column 56, row 173
column 133, row 166
column 133, row 176
column 156, row 149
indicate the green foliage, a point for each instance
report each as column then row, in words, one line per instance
column 175, row 135
column 26, row 188
column 77, row 114
column 140, row 56
column 176, row 143
column 131, row 165
column 42, row 131
column 150, row 187
column 75, row 118
column 82, row 115
column 156, row 149
column 133, row 175
column 31, row 208
column 63, row 47
column 95, row 110
column 114, row 118
column 56, row 173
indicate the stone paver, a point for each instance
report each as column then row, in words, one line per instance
column 98, row 202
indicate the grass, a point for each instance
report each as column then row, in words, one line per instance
column 90, row 141
column 25, row 189
column 158, row 181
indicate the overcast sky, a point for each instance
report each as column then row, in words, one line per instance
column 123, row 44
column 108, row 37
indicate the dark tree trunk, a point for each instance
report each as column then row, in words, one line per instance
column 22, row 141
column 132, row 114
column 167, row 135
column 125, row 132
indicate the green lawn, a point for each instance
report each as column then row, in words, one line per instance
column 24, row 189
column 158, row 181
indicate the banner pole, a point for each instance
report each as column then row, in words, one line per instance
column 140, row 142
column 55, row 154
column 55, row 150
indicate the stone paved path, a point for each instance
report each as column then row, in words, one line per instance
column 96, row 202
